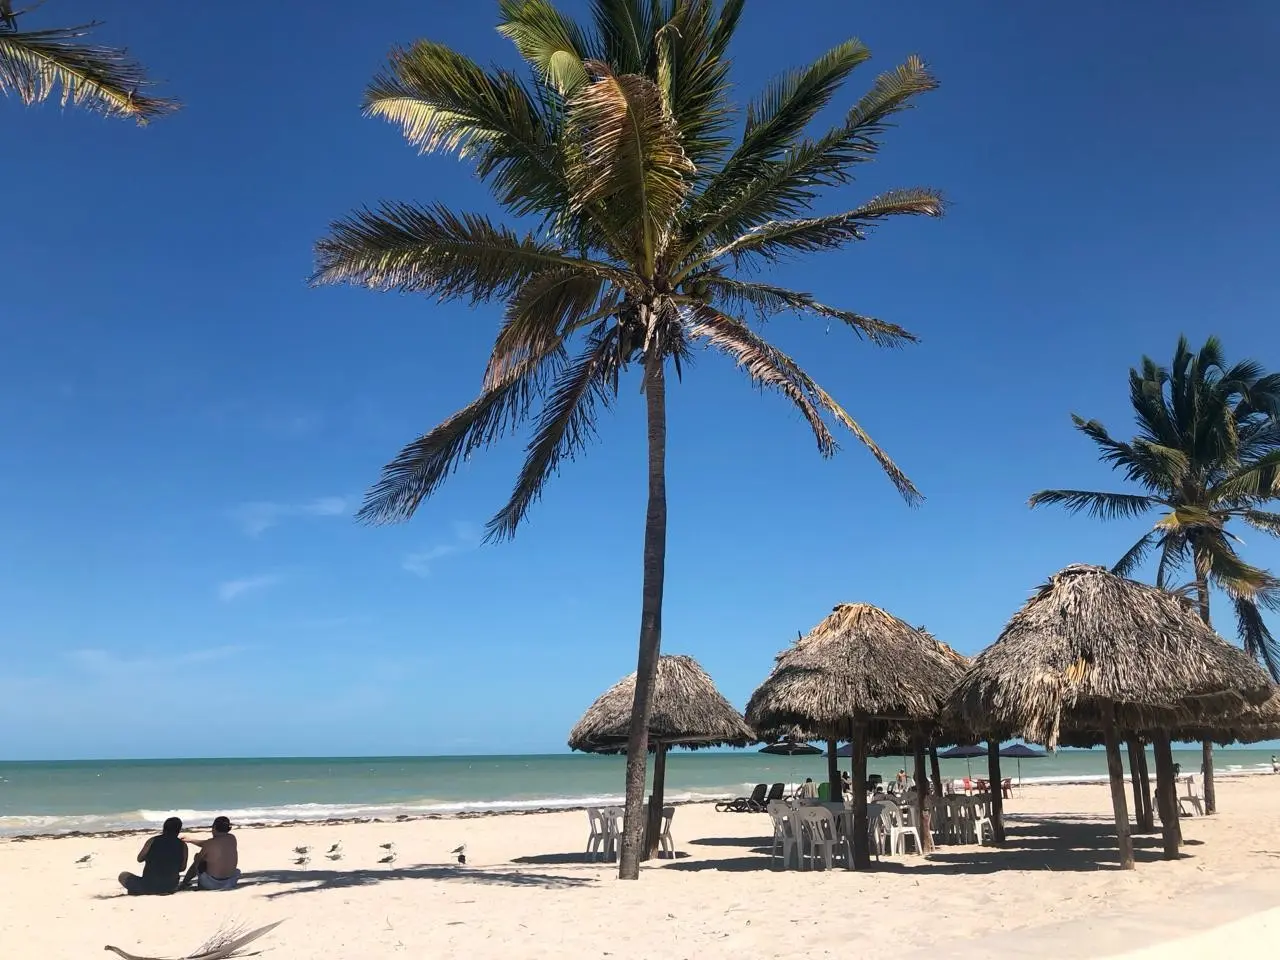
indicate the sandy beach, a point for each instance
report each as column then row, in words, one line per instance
column 525, row 891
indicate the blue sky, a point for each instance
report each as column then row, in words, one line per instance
column 187, row 427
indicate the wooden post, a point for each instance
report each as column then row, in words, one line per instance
column 924, row 808
column 1167, row 794
column 833, row 770
column 1210, row 795
column 1115, row 768
column 997, row 795
column 1148, row 817
column 861, row 848
column 1136, row 781
column 653, row 825
column 936, row 768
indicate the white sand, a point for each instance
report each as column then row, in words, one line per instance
column 1053, row 891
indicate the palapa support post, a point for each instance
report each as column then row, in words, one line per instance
column 997, row 795
column 936, row 769
column 1148, row 816
column 653, row 823
column 924, row 808
column 1167, row 794
column 1115, row 769
column 1206, row 762
column 833, row 770
column 1141, row 790
column 861, row 846
column 1135, row 783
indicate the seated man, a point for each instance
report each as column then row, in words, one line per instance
column 808, row 790
column 163, row 859
column 216, row 864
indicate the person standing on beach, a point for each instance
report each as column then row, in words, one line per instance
column 163, row 857
column 217, row 862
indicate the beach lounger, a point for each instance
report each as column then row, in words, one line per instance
column 752, row 804
column 777, row 792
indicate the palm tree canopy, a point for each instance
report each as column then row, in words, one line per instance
column 646, row 201
column 1207, row 452
column 33, row 63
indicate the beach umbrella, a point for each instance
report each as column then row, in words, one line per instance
column 965, row 753
column 856, row 673
column 688, row 711
column 1020, row 752
column 789, row 748
column 1094, row 651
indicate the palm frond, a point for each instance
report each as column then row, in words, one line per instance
column 1257, row 480
column 433, row 250
column 1173, row 554
column 1262, row 520
column 1227, row 570
column 565, row 426
column 736, row 339
column 626, row 30
column 1189, row 521
column 104, row 79
column 552, row 43
column 444, row 101
column 550, row 306
column 1257, row 639
column 772, row 241
column 769, row 300
column 423, row 465
column 1104, row 506
column 693, row 45
column 1126, row 565
column 627, row 156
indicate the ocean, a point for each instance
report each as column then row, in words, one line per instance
column 44, row 797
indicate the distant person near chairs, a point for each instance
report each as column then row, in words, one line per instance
column 163, row 859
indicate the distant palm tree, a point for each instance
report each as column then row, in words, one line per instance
column 35, row 62
column 649, row 220
column 1207, row 452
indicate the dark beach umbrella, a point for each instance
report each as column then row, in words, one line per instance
column 1020, row 752
column 1094, row 651
column 688, row 711
column 789, row 748
column 964, row 753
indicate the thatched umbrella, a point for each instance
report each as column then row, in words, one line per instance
column 1093, row 651
column 858, row 667
column 688, row 711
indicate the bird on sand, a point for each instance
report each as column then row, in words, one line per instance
column 333, row 856
column 86, row 858
column 336, row 848
column 461, row 853
column 389, row 858
column 302, row 851
column 302, row 861
column 387, row 846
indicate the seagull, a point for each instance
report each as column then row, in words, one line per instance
column 302, row 861
column 333, row 856
column 461, row 852
column 387, row 846
column 336, row 848
column 389, row 858
column 302, row 851
column 86, row 858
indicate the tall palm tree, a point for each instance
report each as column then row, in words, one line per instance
column 33, row 63
column 1207, row 453
column 648, row 221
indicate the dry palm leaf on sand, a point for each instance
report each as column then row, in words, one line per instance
column 226, row 943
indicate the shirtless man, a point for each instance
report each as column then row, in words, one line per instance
column 216, row 864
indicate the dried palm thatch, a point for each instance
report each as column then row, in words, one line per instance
column 688, row 711
column 858, row 663
column 227, row 943
column 1091, row 647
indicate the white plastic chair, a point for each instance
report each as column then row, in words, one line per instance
column 819, row 834
column 880, row 826
column 902, row 827
column 786, row 836
column 980, row 817
column 665, row 843
column 598, row 838
column 612, row 818
column 1192, row 798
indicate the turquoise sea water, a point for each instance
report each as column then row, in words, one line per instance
column 57, row 797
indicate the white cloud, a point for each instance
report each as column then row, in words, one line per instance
column 421, row 562
column 261, row 515
column 233, row 589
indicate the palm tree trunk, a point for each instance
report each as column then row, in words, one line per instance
column 997, row 797
column 1206, row 747
column 924, row 802
column 655, row 555
column 861, row 846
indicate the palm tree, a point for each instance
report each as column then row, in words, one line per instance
column 647, row 218
column 35, row 62
column 1207, row 453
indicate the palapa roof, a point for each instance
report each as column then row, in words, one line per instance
column 860, row 662
column 1088, row 640
column 688, row 711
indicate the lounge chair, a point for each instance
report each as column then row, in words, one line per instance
column 777, row 792
column 752, row 804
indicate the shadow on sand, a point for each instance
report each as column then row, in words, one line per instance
column 310, row 881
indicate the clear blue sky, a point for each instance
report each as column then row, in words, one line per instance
column 187, row 427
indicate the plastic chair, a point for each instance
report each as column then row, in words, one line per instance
column 903, row 826
column 819, row 834
column 612, row 818
column 786, row 838
column 1192, row 798
column 665, row 843
column 598, row 837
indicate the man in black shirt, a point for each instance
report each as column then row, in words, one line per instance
column 163, row 859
